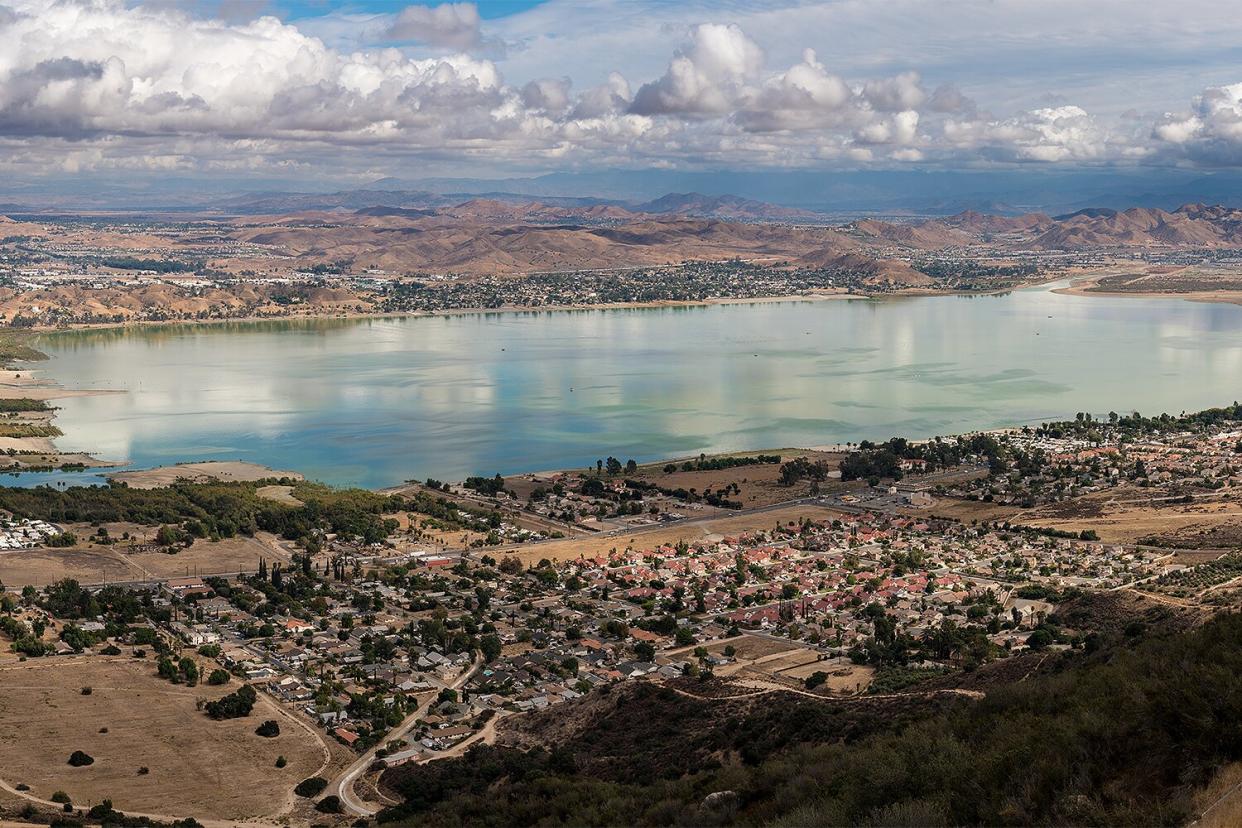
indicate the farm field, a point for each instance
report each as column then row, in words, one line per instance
column 196, row 766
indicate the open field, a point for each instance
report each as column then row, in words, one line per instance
column 1199, row 284
column 99, row 564
column 198, row 767
column 39, row 567
column 1128, row 515
column 279, row 494
column 759, row 483
column 224, row 471
column 697, row 530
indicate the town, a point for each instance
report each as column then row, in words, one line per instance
column 404, row 641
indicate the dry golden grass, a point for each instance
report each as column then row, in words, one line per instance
column 649, row 538
column 198, row 767
column 39, row 567
column 1222, row 799
column 100, row 564
column 225, row 471
column 1126, row 523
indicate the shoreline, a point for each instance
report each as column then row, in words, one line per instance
column 817, row 296
column 1084, row 286
column 23, row 378
column 21, row 381
column 1078, row 287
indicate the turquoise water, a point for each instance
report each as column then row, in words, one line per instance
column 375, row 402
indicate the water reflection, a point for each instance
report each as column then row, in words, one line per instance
column 373, row 402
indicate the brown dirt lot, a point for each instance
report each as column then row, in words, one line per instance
column 198, row 767
column 699, row 530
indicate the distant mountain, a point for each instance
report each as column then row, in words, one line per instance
column 496, row 210
column 1189, row 226
column 724, row 207
column 272, row 203
column 404, row 212
column 479, row 237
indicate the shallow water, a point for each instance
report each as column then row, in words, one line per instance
column 375, row 402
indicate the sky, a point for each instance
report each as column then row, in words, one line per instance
column 298, row 90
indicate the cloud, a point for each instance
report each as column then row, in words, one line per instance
column 550, row 94
column 706, row 76
column 1210, row 132
column 107, row 84
column 451, row 25
column 1061, row 133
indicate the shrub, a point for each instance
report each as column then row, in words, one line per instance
column 281, row 761
column 329, row 805
column 311, row 786
column 269, row 729
column 60, row 797
column 86, row 691
column 79, row 759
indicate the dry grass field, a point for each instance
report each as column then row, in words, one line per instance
column 1127, row 516
column 225, row 471
column 99, row 564
column 197, row 767
column 40, row 567
column 648, row 538
column 758, row 483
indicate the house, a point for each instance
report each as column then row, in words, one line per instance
column 186, row 587
column 346, row 736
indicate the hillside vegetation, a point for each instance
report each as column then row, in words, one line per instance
column 1124, row 733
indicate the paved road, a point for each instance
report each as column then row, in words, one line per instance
column 343, row 784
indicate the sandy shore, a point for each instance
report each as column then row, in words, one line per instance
column 25, row 383
column 1088, row 287
column 221, row 471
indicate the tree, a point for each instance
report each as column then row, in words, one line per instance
column 233, row 706
column 311, row 786
column 79, row 759
column 644, row 651
column 1040, row 639
column 218, row 676
column 189, row 671
column 270, row 729
column 330, row 804
column 490, row 647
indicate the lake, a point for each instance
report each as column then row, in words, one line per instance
column 374, row 402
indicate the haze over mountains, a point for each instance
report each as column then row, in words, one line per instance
column 842, row 194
